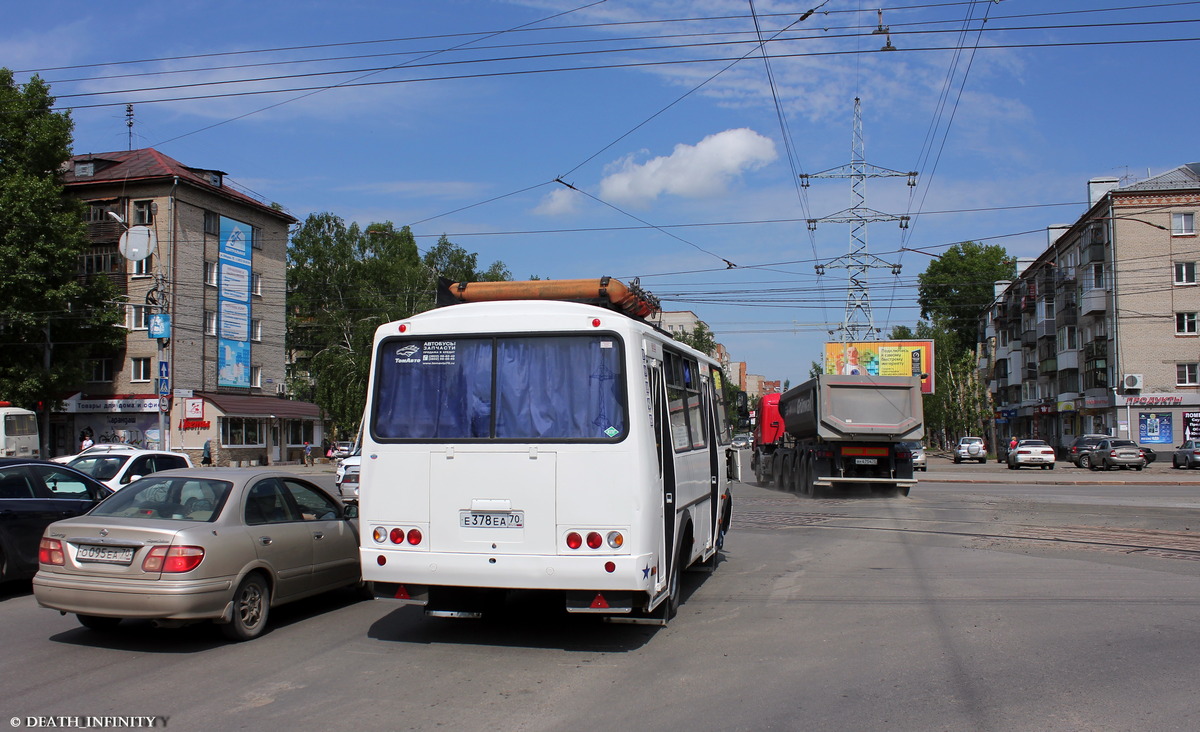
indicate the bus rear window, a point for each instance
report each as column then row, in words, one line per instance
column 520, row 389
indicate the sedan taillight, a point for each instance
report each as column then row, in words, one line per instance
column 173, row 559
column 50, row 551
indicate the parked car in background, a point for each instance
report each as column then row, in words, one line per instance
column 102, row 447
column 741, row 441
column 970, row 448
column 1149, row 454
column 342, row 450
column 346, row 477
column 1186, row 455
column 1031, row 453
column 1081, row 447
column 215, row 544
column 32, row 494
column 1113, row 453
column 118, row 468
column 919, row 459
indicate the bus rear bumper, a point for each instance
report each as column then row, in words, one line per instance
column 634, row 573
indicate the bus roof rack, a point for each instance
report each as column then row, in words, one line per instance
column 605, row 292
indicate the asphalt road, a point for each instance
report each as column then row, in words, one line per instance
column 987, row 600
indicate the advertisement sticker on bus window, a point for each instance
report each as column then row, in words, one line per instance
column 606, row 344
column 439, row 352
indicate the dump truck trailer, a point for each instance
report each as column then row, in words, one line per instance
column 841, row 432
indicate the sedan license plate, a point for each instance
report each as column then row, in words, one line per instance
column 866, row 461
column 491, row 519
column 105, row 554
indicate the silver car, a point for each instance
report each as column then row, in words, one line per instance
column 1032, row 453
column 186, row 545
column 919, row 459
column 1110, row 453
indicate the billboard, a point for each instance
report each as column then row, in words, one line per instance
column 233, row 304
column 882, row 358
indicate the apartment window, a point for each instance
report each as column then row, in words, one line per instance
column 255, row 329
column 1098, row 276
column 140, row 369
column 256, row 377
column 1068, row 338
column 138, row 317
column 95, row 214
column 101, row 260
column 99, row 369
column 1185, row 273
column 143, row 267
column 255, row 238
column 256, row 284
column 210, row 322
column 1183, row 224
column 1187, row 374
column 212, row 223
column 1185, row 324
column 210, row 273
column 143, row 213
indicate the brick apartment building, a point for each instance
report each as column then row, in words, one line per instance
column 1101, row 332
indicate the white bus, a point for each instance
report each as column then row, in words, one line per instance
column 541, row 445
column 18, row 432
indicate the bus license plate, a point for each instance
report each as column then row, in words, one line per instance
column 492, row 519
column 866, row 461
column 106, row 554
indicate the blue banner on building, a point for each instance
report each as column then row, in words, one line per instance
column 233, row 309
column 1155, row 427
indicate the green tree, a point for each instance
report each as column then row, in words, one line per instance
column 700, row 338
column 956, row 287
column 343, row 283
column 52, row 319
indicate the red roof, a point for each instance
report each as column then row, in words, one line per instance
column 129, row 166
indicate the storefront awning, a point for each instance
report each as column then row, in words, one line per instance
column 234, row 405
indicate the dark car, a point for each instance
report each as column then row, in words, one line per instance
column 1150, row 455
column 34, row 494
column 1079, row 452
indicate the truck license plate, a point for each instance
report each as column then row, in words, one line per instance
column 866, row 461
column 491, row 519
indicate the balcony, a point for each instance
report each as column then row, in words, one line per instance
column 1095, row 301
column 1029, row 337
column 1092, row 253
column 1095, row 349
column 1048, row 366
column 1068, row 360
column 1046, row 329
column 1067, row 315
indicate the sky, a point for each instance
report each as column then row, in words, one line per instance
column 659, row 140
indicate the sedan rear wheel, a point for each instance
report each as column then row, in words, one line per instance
column 1085, row 461
column 251, row 605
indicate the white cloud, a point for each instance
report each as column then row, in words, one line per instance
column 558, row 202
column 702, row 170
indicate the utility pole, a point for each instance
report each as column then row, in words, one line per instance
column 858, row 324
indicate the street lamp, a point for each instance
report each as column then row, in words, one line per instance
column 137, row 243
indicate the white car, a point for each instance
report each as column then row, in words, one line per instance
column 101, row 447
column 970, row 448
column 346, row 477
column 118, row 468
column 1035, row 453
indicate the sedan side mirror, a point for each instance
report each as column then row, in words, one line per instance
column 351, row 511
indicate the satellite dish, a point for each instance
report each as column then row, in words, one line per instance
column 137, row 243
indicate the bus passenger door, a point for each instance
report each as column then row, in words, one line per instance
column 666, row 452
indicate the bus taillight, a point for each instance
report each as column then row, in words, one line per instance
column 574, row 540
column 414, row 536
column 615, row 540
column 594, row 540
column 397, row 536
